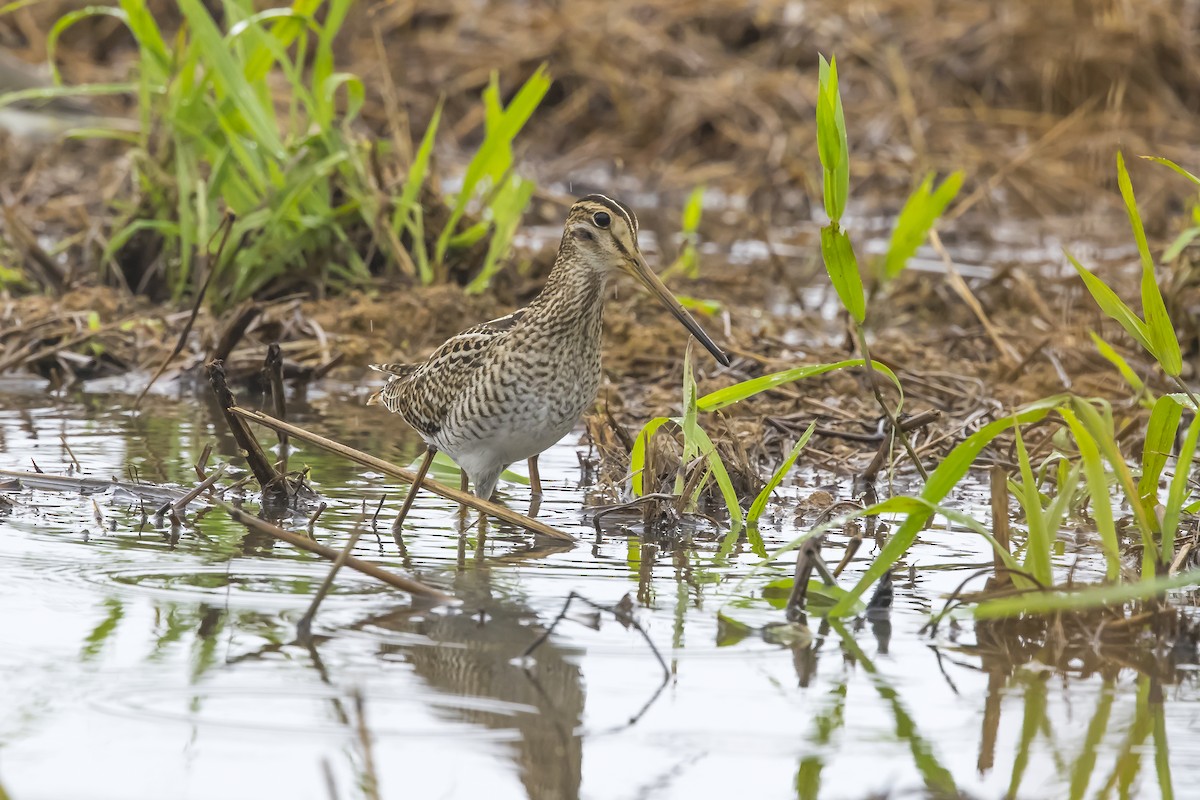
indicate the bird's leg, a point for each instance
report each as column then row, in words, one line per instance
column 464, row 486
column 535, row 480
column 412, row 493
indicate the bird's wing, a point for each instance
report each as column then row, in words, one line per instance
column 423, row 393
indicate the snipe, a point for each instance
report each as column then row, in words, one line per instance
column 508, row 389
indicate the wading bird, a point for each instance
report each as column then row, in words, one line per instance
column 508, row 389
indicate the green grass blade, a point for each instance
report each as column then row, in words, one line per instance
column 1101, row 431
column 721, row 475
column 842, row 267
column 1177, row 493
column 497, row 145
column 760, row 503
column 1113, row 306
column 1160, row 439
column 1180, row 244
column 356, row 95
column 832, row 145
column 150, row 42
column 51, row 92
column 1041, row 540
column 1101, row 500
column 1166, row 162
column 322, row 69
column 1135, row 219
column 723, row 398
column 691, row 443
column 507, row 209
column 1083, row 599
column 693, row 209
column 1165, row 345
column 940, row 482
column 637, row 456
column 229, row 76
column 1118, row 361
column 922, row 209
column 66, row 21
column 407, row 206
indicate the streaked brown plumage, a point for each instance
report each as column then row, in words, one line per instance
column 508, row 389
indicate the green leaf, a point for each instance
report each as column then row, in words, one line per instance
column 1161, row 333
column 355, row 95
column 842, row 267
column 66, row 21
column 495, row 154
column 692, row 210
column 1118, row 361
column 1101, row 431
column 1166, row 162
column 1181, row 242
column 760, row 503
column 721, row 475
column 920, row 212
column 832, row 146
column 1112, row 305
column 723, row 398
column 507, row 209
column 1101, row 498
column 691, row 443
column 52, row 92
column 1082, row 599
column 1041, row 540
column 228, row 75
column 637, row 456
column 940, row 482
column 1160, row 439
column 402, row 217
column 1177, row 493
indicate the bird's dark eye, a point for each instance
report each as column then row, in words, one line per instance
column 602, row 219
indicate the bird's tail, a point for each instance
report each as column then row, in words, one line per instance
column 395, row 373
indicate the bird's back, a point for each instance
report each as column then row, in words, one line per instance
column 425, row 394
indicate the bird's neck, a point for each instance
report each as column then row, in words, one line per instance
column 573, row 294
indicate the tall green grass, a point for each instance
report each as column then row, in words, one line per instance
column 837, row 250
column 255, row 120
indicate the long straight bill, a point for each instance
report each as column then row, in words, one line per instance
column 643, row 273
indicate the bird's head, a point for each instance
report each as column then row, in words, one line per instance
column 603, row 237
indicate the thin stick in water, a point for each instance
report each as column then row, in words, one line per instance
column 413, row 587
column 304, row 627
column 483, row 506
column 274, row 369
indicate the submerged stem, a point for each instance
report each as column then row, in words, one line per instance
column 896, row 429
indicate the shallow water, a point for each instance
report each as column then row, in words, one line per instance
column 138, row 662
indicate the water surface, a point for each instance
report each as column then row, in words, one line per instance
column 140, row 661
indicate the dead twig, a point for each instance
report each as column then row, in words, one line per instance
column 304, row 626
column 274, row 369
column 264, row 471
column 226, row 226
column 179, row 505
column 63, row 438
column 400, row 582
column 357, row 456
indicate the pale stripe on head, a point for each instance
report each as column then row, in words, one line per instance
column 615, row 207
